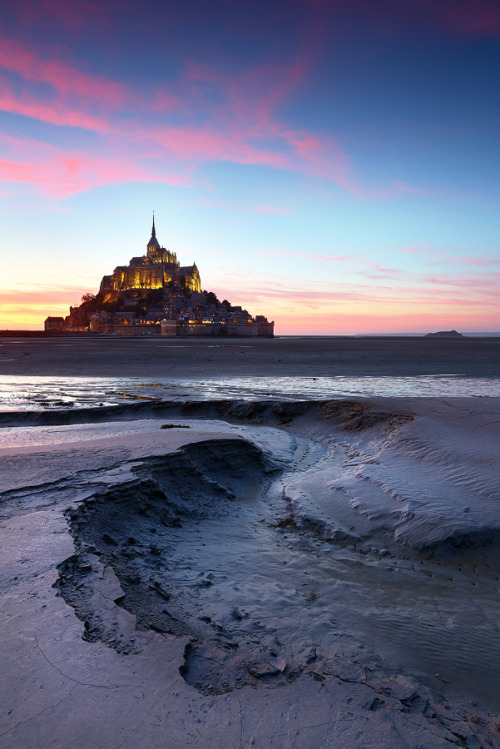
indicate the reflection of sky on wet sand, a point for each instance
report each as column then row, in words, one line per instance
column 34, row 393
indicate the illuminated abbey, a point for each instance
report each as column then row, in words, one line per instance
column 155, row 270
column 155, row 295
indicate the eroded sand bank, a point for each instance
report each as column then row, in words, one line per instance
column 256, row 574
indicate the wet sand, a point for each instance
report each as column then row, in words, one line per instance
column 268, row 573
column 215, row 357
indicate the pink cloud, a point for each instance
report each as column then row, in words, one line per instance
column 251, row 95
column 377, row 271
column 479, row 262
column 248, row 115
column 208, row 143
column 440, row 256
column 166, row 101
column 451, row 285
column 239, row 128
column 64, row 77
column 366, row 311
column 26, row 308
column 64, row 174
column 349, row 308
column 377, row 296
column 485, row 286
column 54, row 294
column 26, row 145
column 56, row 112
column 361, row 265
column 240, row 113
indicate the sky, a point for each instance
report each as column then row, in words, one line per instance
column 332, row 165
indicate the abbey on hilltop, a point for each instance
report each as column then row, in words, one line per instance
column 155, row 295
column 155, row 270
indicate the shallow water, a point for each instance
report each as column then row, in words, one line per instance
column 35, row 393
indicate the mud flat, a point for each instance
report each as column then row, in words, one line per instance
column 109, row 356
column 273, row 573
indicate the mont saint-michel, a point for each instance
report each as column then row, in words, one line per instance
column 154, row 294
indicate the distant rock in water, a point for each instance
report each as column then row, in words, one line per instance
column 445, row 334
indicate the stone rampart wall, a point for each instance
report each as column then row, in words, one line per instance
column 170, row 329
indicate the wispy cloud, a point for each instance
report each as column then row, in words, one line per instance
column 46, row 295
column 440, row 255
column 353, row 262
column 26, row 307
column 63, row 76
column 61, row 173
column 478, row 262
column 417, row 290
column 204, row 114
column 218, row 116
column 52, row 112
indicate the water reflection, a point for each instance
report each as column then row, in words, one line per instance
column 35, row 393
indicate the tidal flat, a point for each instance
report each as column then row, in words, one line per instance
column 284, row 543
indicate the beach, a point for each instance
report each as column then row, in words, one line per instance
column 288, row 543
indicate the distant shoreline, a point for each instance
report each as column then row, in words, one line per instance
column 50, row 334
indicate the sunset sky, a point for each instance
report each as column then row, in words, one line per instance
column 332, row 164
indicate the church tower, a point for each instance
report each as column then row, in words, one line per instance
column 155, row 270
column 153, row 244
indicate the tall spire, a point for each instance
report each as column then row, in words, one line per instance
column 153, row 244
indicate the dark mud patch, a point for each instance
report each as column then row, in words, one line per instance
column 356, row 416
column 78, row 584
column 136, row 526
column 463, row 544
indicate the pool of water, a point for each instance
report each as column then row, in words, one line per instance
column 36, row 393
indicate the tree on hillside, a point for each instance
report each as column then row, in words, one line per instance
column 212, row 298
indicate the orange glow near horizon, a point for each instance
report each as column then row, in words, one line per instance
column 330, row 209
column 29, row 310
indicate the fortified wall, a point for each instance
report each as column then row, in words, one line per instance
column 170, row 328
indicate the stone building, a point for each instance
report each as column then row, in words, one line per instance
column 155, row 270
column 54, row 324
